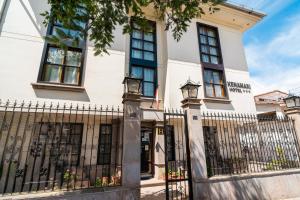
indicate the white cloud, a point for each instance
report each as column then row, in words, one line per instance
column 276, row 64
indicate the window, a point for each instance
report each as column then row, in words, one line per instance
column 209, row 45
column 211, row 58
column 143, row 58
column 148, row 76
column 61, row 66
column 170, row 143
column 143, row 44
column 214, row 84
column 104, row 146
column 63, row 141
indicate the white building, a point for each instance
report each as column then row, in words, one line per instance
column 24, row 51
column 271, row 103
column 210, row 53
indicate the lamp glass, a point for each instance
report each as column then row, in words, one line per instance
column 185, row 92
column 193, row 91
column 132, row 85
column 297, row 101
column 290, row 102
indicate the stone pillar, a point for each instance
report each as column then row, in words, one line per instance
column 131, row 144
column 197, row 148
column 294, row 113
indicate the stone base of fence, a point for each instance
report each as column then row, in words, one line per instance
column 116, row 193
column 267, row 185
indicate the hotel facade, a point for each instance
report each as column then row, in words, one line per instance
column 56, row 136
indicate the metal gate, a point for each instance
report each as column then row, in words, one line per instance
column 177, row 156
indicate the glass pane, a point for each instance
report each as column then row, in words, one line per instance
column 137, row 34
column 55, row 56
column 149, row 75
column 137, row 44
column 205, row 58
column 57, row 30
column 149, row 56
column 71, row 75
column 148, row 89
column 203, row 39
column 213, row 51
column 204, row 49
column 211, row 33
column 212, row 41
column 148, row 37
column 202, row 30
column 148, row 46
column 209, row 90
column 220, row 92
column 73, row 58
column 136, row 26
column 208, row 78
column 214, row 60
column 136, row 54
column 137, row 72
column 52, row 73
column 217, row 77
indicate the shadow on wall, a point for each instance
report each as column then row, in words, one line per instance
column 241, row 189
column 218, row 106
column 37, row 7
column 63, row 95
column 3, row 15
column 237, row 190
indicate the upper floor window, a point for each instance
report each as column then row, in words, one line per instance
column 143, row 44
column 210, row 51
column 143, row 58
column 63, row 66
column 214, row 83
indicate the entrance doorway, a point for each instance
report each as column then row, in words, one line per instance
column 146, row 152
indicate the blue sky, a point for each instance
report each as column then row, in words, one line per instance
column 273, row 45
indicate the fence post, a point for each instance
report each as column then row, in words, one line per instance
column 131, row 144
column 196, row 141
column 294, row 113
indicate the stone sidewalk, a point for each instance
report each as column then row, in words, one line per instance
column 153, row 189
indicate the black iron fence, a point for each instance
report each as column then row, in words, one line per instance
column 54, row 146
column 239, row 143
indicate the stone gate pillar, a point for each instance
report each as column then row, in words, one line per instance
column 131, row 145
column 197, row 148
column 294, row 113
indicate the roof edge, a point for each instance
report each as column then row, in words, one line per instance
column 244, row 9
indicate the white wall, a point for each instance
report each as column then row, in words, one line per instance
column 184, row 63
column 22, row 44
column 265, row 108
column 21, row 47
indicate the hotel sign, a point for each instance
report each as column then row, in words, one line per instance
column 239, row 87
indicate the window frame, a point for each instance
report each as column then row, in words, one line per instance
column 67, row 142
column 224, row 83
column 219, row 48
column 210, row 66
column 46, row 47
column 110, row 145
column 154, row 78
column 135, row 62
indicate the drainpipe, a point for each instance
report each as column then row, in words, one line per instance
column 2, row 8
